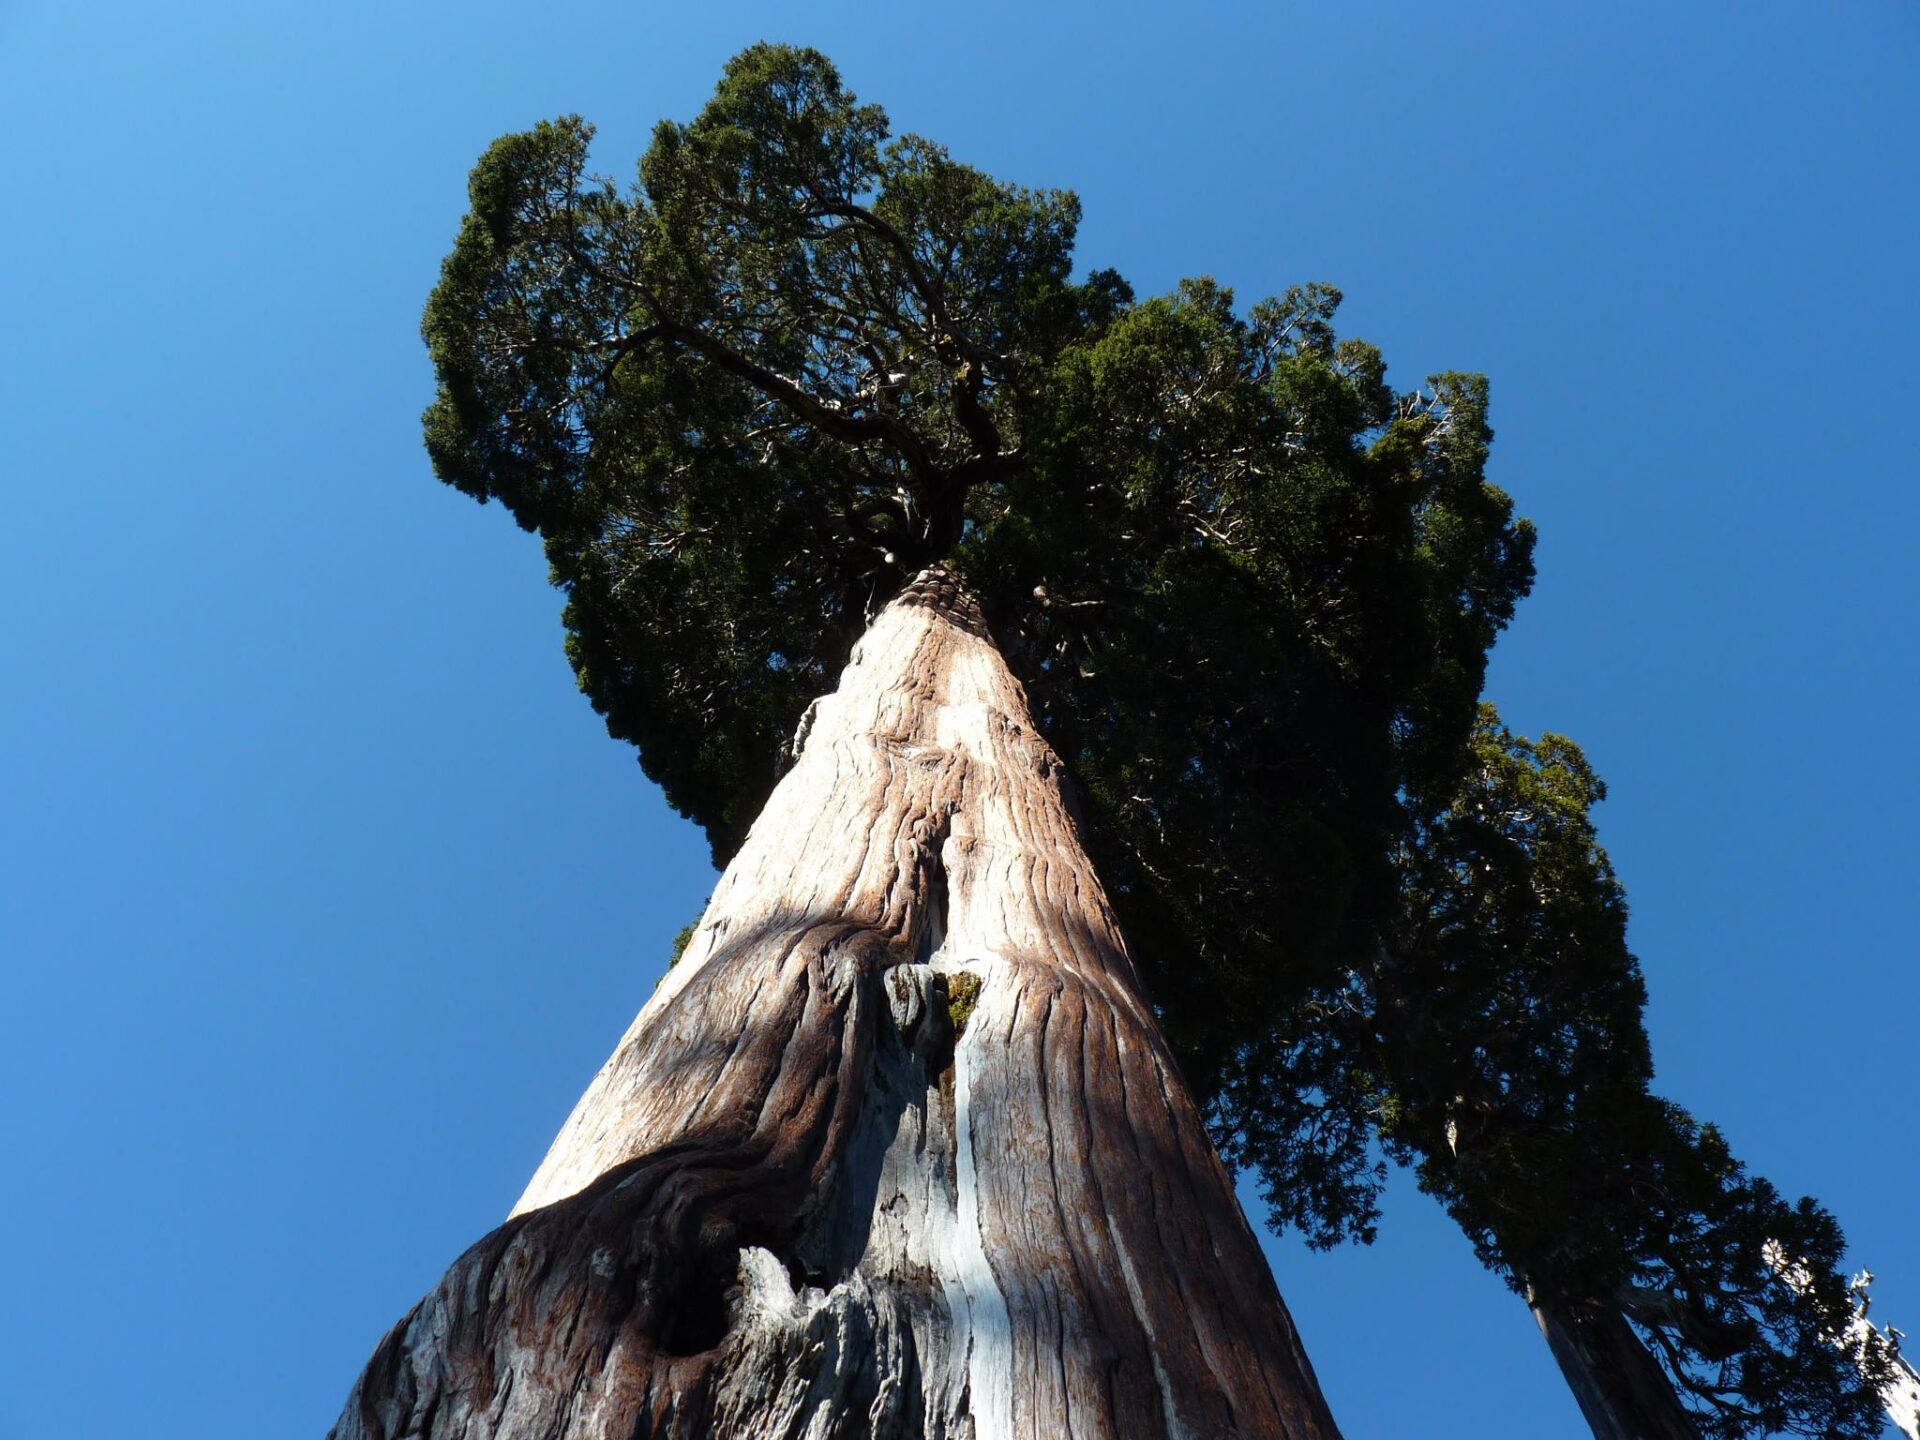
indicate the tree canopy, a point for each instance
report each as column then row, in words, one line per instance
column 1250, row 588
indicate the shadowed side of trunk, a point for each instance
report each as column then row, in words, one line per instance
column 895, row 1150
column 1621, row 1389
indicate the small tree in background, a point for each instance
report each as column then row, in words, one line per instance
column 1499, row 1039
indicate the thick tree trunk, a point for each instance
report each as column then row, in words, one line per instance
column 1619, row 1386
column 895, row 1150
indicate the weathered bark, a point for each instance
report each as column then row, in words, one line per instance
column 1901, row 1396
column 1619, row 1386
column 1900, row 1390
column 895, row 1150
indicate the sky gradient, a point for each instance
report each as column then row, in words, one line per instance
column 322, row 893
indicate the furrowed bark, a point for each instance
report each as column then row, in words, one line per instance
column 1620, row 1388
column 895, row 1150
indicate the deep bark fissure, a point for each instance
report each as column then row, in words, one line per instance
column 895, row 1149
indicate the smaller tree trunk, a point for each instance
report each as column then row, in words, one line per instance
column 1619, row 1386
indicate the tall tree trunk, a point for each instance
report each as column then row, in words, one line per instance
column 896, row 1149
column 1620, row 1387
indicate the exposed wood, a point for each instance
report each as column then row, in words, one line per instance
column 895, row 1150
column 1901, row 1396
column 1900, row 1391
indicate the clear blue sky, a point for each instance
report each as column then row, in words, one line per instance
column 321, row 891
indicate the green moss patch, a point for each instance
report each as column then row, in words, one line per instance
column 963, row 994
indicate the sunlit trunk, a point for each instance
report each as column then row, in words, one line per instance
column 1900, row 1392
column 895, row 1150
column 1901, row 1396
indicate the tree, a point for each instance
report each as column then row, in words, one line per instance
column 1243, row 589
column 1248, row 587
column 868, row 1220
column 1499, row 1039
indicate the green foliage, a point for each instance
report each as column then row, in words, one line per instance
column 742, row 402
column 1505, row 982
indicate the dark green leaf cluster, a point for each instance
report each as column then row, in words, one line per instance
column 743, row 401
column 1504, row 996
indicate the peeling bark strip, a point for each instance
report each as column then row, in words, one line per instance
column 895, row 1149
